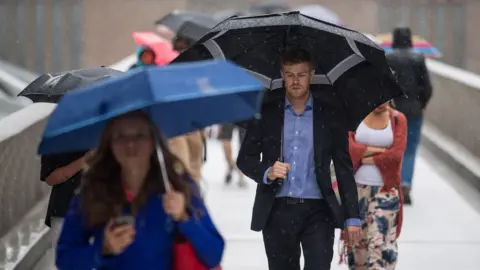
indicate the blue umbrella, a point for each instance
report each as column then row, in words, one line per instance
column 178, row 98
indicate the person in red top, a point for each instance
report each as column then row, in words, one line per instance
column 376, row 149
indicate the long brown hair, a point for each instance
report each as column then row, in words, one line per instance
column 102, row 196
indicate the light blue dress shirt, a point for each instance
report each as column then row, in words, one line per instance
column 298, row 151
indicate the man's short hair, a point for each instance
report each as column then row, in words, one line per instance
column 296, row 56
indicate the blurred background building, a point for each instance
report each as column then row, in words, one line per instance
column 52, row 35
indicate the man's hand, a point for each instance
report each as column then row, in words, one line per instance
column 279, row 170
column 353, row 235
column 62, row 174
column 56, row 177
column 89, row 154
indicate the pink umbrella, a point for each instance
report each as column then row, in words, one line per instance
column 163, row 48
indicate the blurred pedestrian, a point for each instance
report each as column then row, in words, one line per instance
column 181, row 43
column 225, row 136
column 63, row 173
column 145, row 57
column 411, row 72
column 189, row 148
column 289, row 157
column 377, row 149
column 165, row 32
column 124, row 217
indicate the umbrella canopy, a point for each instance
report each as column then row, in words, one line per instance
column 163, row 49
column 346, row 59
column 195, row 30
column 420, row 45
column 227, row 13
column 321, row 13
column 51, row 87
column 175, row 19
column 178, row 99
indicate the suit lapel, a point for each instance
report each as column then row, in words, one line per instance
column 273, row 121
column 318, row 130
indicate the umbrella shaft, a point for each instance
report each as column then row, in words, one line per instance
column 163, row 167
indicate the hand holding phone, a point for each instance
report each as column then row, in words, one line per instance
column 119, row 234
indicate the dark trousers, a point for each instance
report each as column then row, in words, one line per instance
column 295, row 223
column 414, row 127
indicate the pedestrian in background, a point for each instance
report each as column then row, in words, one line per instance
column 377, row 149
column 124, row 217
column 225, row 136
column 63, row 173
column 412, row 75
column 145, row 57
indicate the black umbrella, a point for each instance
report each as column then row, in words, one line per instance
column 175, row 19
column 345, row 59
column 51, row 87
column 194, row 30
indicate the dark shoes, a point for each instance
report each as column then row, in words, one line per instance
column 242, row 183
column 228, row 177
column 407, row 200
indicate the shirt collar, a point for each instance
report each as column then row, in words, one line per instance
column 308, row 105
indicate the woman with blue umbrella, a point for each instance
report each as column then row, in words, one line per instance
column 138, row 208
column 126, row 210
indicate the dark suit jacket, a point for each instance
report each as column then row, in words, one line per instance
column 330, row 143
column 63, row 193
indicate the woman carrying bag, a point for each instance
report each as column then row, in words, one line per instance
column 376, row 149
column 134, row 205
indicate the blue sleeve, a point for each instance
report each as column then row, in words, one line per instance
column 265, row 178
column 203, row 235
column 74, row 250
column 353, row 222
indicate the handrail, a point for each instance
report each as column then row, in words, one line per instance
column 454, row 73
column 24, row 197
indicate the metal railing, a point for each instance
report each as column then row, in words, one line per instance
column 453, row 112
column 23, row 198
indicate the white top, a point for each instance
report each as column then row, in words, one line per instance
column 369, row 174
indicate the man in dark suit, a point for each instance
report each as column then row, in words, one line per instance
column 63, row 173
column 288, row 153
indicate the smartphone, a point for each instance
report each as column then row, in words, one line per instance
column 124, row 220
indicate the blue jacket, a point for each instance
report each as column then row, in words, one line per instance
column 81, row 248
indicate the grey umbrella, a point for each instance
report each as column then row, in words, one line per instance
column 52, row 86
column 268, row 8
column 175, row 19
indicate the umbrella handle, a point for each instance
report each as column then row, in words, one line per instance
column 163, row 167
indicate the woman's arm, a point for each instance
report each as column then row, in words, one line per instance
column 356, row 150
column 203, row 235
column 74, row 251
column 393, row 156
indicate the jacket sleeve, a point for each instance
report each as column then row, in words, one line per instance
column 202, row 234
column 74, row 250
column 425, row 83
column 249, row 157
column 356, row 150
column 343, row 166
column 392, row 157
column 47, row 166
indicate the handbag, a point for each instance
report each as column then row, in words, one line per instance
column 185, row 258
